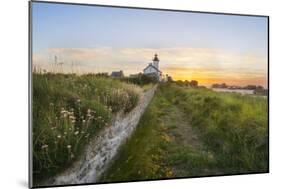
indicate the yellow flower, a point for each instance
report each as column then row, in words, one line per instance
column 169, row 173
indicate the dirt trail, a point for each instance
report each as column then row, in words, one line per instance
column 183, row 137
column 180, row 128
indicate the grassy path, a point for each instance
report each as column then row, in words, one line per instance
column 164, row 145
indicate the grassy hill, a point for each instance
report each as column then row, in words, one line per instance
column 68, row 110
column 189, row 132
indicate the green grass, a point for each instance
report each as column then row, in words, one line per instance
column 233, row 126
column 67, row 111
column 139, row 157
column 231, row 131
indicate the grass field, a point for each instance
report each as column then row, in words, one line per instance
column 189, row 132
column 68, row 110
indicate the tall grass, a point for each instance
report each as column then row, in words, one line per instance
column 141, row 156
column 228, row 136
column 67, row 111
column 233, row 126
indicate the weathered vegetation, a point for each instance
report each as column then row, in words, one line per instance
column 189, row 132
column 140, row 79
column 186, row 130
column 68, row 110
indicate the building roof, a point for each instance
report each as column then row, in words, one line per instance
column 117, row 74
column 155, row 58
column 150, row 65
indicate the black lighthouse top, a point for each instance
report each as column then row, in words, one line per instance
column 155, row 58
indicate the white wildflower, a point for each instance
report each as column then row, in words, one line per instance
column 72, row 155
column 44, row 146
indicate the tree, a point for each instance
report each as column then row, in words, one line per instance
column 186, row 82
column 194, row 83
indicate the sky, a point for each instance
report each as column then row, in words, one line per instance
column 210, row 48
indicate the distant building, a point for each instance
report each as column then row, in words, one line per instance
column 169, row 78
column 153, row 69
column 117, row 74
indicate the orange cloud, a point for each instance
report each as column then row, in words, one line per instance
column 203, row 64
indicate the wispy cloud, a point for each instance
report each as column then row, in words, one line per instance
column 204, row 64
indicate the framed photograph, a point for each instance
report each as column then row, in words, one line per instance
column 123, row 94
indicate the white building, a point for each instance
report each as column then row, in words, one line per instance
column 153, row 69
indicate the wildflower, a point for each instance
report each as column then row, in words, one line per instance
column 68, row 146
column 76, row 132
column 84, row 121
column 59, row 136
column 62, row 111
column 71, row 117
column 65, row 133
column 70, row 129
column 78, row 100
column 72, row 155
column 72, row 121
column 44, row 146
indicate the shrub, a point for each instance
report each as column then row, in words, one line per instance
column 67, row 111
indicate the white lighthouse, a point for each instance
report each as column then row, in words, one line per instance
column 156, row 61
column 153, row 69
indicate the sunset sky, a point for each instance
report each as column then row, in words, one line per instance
column 210, row 48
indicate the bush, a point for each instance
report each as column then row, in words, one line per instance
column 67, row 111
column 140, row 79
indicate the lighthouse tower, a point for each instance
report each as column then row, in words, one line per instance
column 156, row 61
